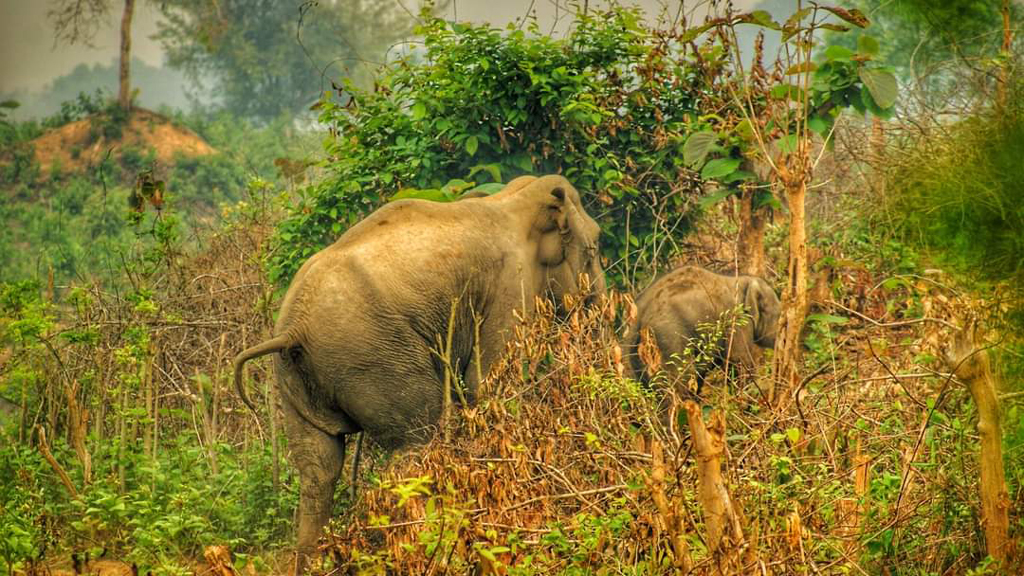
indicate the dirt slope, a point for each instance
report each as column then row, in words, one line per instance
column 81, row 143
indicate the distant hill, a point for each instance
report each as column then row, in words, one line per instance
column 80, row 145
column 157, row 86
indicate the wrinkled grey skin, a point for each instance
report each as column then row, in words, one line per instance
column 676, row 303
column 355, row 341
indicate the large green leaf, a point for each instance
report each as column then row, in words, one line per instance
column 819, row 125
column 697, row 146
column 493, row 169
column 759, row 17
column 837, row 52
column 797, row 16
column 787, row 144
column 714, row 197
column 489, row 188
column 719, row 167
column 882, row 85
column 738, row 176
column 432, row 194
column 471, row 145
column 693, row 33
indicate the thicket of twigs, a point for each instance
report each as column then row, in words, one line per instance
column 567, row 468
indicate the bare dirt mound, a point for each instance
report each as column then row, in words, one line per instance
column 84, row 143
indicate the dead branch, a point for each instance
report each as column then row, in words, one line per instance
column 44, row 449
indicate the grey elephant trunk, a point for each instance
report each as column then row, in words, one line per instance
column 583, row 257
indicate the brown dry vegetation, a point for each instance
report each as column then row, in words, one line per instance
column 565, row 467
column 79, row 144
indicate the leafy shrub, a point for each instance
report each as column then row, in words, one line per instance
column 83, row 106
column 608, row 106
column 206, row 181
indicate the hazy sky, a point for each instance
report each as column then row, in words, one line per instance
column 29, row 60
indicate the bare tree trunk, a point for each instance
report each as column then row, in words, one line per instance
column 794, row 176
column 750, row 243
column 972, row 366
column 723, row 519
column 669, row 515
column 123, row 86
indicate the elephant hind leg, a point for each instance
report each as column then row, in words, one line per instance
column 319, row 458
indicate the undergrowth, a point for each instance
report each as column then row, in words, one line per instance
column 560, row 470
column 954, row 189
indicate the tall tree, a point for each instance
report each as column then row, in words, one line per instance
column 268, row 57
column 77, row 21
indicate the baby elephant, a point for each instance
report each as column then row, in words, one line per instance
column 690, row 301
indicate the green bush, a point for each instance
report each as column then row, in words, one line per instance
column 173, row 506
column 609, row 106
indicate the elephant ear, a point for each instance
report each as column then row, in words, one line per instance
column 554, row 228
column 554, row 220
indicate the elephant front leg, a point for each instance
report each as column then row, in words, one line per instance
column 319, row 458
column 488, row 345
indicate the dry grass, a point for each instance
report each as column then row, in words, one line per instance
column 556, row 471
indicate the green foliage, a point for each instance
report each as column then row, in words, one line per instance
column 174, row 506
column 958, row 194
column 156, row 502
column 82, row 106
column 82, row 229
column 608, row 106
column 925, row 33
column 808, row 97
column 26, row 317
column 267, row 58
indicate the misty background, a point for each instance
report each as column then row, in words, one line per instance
column 40, row 74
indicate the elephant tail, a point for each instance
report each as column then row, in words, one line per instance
column 262, row 349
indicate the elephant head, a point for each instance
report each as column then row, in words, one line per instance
column 763, row 306
column 566, row 237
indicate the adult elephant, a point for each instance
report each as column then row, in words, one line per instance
column 356, row 345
